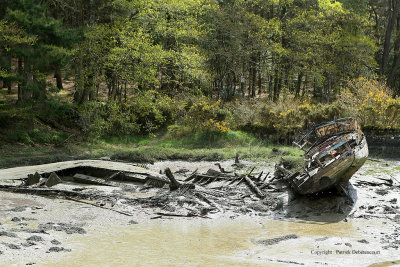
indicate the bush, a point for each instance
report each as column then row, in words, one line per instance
column 146, row 114
column 203, row 114
column 371, row 102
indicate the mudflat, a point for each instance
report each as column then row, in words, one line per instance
column 219, row 223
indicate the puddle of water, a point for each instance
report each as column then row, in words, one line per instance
column 204, row 243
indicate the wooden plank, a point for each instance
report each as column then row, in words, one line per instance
column 23, row 171
column 86, row 179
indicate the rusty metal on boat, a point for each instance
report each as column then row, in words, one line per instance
column 334, row 151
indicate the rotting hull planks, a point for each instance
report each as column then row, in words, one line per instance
column 339, row 150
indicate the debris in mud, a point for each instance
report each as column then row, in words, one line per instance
column 334, row 151
column 19, row 209
column 67, row 228
column 322, row 238
column 58, row 249
column 15, row 219
column 8, row 234
column 35, row 238
column 273, row 241
column 55, row 242
column 53, row 180
column 33, row 179
column 12, row 246
column 183, row 193
column 28, row 244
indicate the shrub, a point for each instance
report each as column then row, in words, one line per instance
column 371, row 102
column 147, row 113
column 203, row 114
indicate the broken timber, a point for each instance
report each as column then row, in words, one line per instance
column 174, row 183
column 253, row 187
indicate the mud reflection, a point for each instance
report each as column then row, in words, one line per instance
column 326, row 207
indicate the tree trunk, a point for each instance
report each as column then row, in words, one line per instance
column 276, row 81
column 57, row 75
column 298, row 84
column 270, row 84
column 304, row 86
column 253, row 82
column 396, row 59
column 250, row 82
column 388, row 35
column 242, row 85
column 78, row 76
column 20, row 71
column 29, row 83
column 89, row 81
column 125, row 93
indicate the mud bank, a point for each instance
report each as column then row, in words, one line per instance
column 234, row 227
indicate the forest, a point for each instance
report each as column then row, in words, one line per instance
column 194, row 72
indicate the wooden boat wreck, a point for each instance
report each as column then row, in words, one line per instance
column 334, row 151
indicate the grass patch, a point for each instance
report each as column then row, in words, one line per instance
column 378, row 170
column 35, row 147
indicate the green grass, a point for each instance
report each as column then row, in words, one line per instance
column 208, row 146
column 151, row 148
column 28, row 140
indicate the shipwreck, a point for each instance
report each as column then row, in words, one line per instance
column 334, row 151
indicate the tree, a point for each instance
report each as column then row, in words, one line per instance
column 36, row 59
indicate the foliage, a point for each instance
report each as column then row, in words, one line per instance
column 372, row 103
column 145, row 114
column 207, row 115
column 209, row 68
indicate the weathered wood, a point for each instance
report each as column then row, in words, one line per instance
column 99, row 206
column 198, row 177
column 266, row 185
column 82, row 178
column 207, row 181
column 134, row 177
column 212, row 172
column 208, row 201
column 222, row 170
column 112, row 176
column 220, row 167
column 251, row 170
column 155, row 182
column 253, row 187
column 42, row 191
column 266, row 176
column 192, row 176
column 174, row 214
column 98, row 181
column 174, row 185
column 241, row 180
column 233, row 181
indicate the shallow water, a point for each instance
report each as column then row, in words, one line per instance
column 219, row 243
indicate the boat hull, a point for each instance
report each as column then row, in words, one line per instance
column 331, row 162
